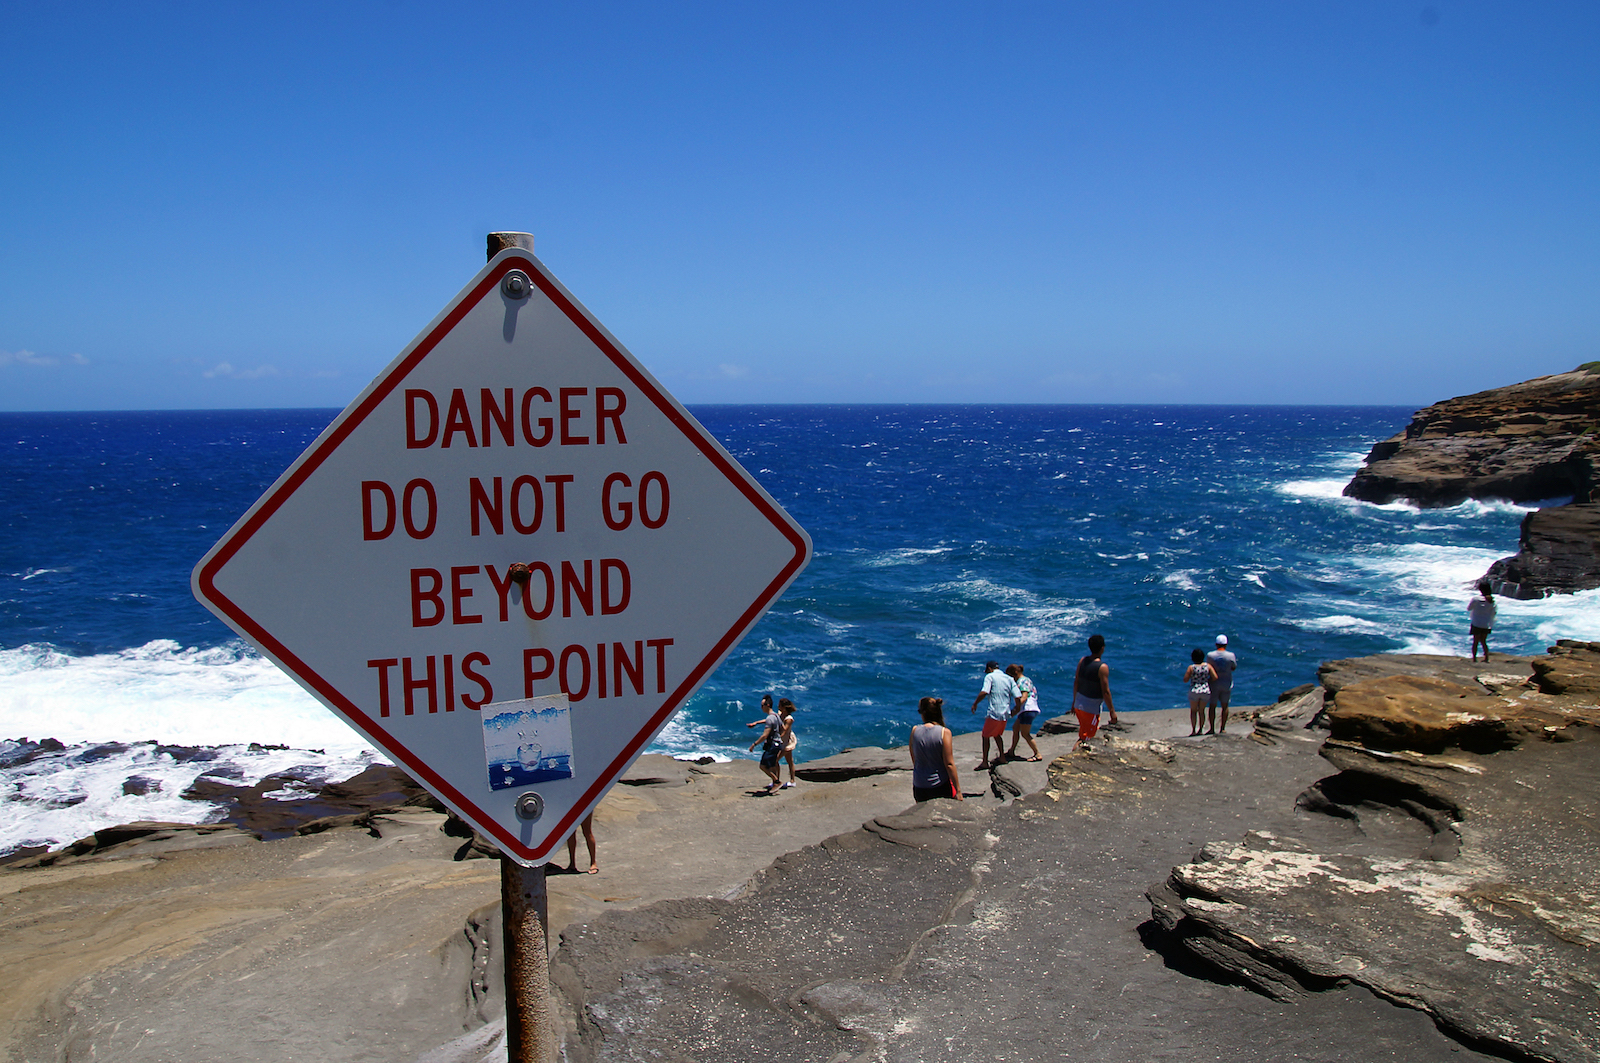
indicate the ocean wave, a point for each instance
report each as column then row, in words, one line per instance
column 907, row 555
column 1341, row 624
column 1183, row 579
column 1427, row 570
column 1014, row 629
column 161, row 691
column 1333, row 491
column 1321, row 489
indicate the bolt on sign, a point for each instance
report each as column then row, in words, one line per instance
column 509, row 560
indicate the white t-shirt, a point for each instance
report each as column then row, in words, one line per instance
column 1480, row 612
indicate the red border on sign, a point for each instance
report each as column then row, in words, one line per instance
column 348, row 423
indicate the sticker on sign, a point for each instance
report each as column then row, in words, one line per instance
column 509, row 560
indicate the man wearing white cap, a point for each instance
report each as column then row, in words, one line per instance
column 1222, row 686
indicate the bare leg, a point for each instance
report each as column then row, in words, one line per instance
column 1211, row 716
column 1197, row 714
column 572, row 853
column 588, row 839
column 788, row 755
column 1225, row 699
column 1026, row 727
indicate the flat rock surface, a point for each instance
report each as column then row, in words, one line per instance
column 1454, row 872
column 374, row 938
column 836, row 921
column 975, row 931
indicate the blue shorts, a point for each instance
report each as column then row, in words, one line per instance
column 769, row 758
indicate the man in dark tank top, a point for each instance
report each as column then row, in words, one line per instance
column 1091, row 689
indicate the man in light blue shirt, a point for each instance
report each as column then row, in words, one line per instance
column 1002, row 695
column 1223, row 660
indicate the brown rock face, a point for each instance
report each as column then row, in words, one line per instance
column 1522, row 443
column 1420, row 713
column 1559, row 552
column 1572, row 669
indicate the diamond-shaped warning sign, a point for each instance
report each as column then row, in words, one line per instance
column 509, row 560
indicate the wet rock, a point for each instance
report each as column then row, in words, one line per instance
column 1559, row 552
column 300, row 802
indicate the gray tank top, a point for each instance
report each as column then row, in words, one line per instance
column 927, row 756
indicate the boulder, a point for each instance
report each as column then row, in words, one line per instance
column 1572, row 668
column 1558, row 553
column 1523, row 443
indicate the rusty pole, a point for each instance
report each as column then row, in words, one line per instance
column 524, row 906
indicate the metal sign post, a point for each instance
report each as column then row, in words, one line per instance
column 525, row 904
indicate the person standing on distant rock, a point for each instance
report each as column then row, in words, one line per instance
column 933, row 758
column 1222, row 664
column 1480, row 614
column 1199, row 676
column 1091, row 688
column 1025, row 710
column 1001, row 692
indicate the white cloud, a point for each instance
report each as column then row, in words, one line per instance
column 34, row 358
column 733, row 372
column 226, row 371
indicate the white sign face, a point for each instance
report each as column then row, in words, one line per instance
column 515, row 430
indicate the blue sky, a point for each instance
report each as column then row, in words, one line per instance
column 217, row 205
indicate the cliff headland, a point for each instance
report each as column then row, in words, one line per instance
column 1397, row 862
column 1537, row 441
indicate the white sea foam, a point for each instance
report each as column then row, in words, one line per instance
column 1426, row 570
column 1183, row 579
column 683, row 739
column 907, row 555
column 1340, row 624
column 1419, row 601
column 1024, row 619
column 1333, row 491
column 161, row 692
column 1323, row 489
column 165, row 692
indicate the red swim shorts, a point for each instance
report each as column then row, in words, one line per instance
column 993, row 728
column 1088, row 723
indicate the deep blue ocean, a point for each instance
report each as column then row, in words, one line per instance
column 944, row 535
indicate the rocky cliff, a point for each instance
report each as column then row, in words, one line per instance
column 1539, row 439
column 1559, row 553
